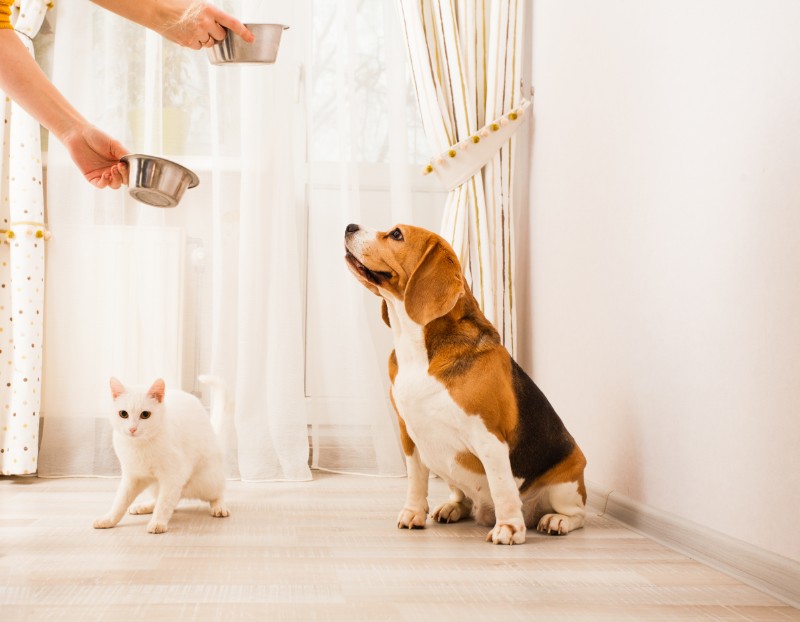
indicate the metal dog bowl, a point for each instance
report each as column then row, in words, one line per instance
column 156, row 181
column 234, row 49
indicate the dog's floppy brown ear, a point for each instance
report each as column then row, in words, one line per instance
column 435, row 286
column 385, row 313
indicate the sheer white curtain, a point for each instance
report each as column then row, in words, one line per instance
column 258, row 249
column 22, row 231
column 244, row 280
column 467, row 64
column 116, row 269
column 213, row 285
column 365, row 140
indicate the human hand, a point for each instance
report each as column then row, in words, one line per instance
column 97, row 156
column 202, row 25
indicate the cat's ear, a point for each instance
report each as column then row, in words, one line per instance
column 116, row 387
column 157, row 391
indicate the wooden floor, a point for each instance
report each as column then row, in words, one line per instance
column 329, row 550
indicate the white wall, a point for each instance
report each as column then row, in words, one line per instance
column 663, row 255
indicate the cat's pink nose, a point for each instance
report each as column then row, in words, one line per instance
column 133, row 431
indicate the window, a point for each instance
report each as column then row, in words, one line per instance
column 359, row 83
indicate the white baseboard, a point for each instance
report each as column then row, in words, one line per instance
column 771, row 573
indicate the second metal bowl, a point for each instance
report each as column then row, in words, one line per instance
column 234, row 49
column 156, row 181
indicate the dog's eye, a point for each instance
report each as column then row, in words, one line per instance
column 397, row 235
column 123, row 414
column 145, row 414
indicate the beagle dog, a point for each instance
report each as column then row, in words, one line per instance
column 466, row 410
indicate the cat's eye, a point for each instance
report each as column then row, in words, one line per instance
column 396, row 235
column 145, row 414
column 123, row 414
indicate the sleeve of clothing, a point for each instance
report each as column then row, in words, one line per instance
column 5, row 13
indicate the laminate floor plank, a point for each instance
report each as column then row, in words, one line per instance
column 329, row 550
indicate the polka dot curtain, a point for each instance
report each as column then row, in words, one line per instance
column 21, row 271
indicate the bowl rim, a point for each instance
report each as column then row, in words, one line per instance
column 194, row 180
column 249, row 24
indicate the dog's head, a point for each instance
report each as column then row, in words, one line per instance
column 408, row 264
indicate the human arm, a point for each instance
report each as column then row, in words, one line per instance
column 95, row 153
column 189, row 23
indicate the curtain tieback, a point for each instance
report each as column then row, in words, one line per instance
column 467, row 157
column 31, row 228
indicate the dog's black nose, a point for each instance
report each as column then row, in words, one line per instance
column 351, row 228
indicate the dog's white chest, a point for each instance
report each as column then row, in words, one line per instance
column 435, row 422
column 425, row 404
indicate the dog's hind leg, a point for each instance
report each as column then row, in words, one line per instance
column 456, row 508
column 565, row 506
column 556, row 501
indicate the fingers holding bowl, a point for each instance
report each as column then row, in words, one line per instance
column 222, row 21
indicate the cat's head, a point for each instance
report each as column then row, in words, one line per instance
column 136, row 412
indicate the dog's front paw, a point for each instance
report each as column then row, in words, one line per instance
column 450, row 512
column 155, row 526
column 104, row 522
column 510, row 532
column 411, row 518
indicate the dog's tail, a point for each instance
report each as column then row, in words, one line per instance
column 219, row 401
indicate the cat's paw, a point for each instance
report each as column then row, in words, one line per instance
column 104, row 522
column 142, row 508
column 156, row 527
column 219, row 511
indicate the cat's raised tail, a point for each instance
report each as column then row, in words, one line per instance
column 219, row 402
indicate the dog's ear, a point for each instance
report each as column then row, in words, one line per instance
column 435, row 286
column 385, row 313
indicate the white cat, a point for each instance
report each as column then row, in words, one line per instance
column 164, row 440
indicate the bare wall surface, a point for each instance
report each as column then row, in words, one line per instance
column 663, row 253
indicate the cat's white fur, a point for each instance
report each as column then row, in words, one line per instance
column 173, row 451
column 221, row 407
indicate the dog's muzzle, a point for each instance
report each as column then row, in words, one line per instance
column 376, row 277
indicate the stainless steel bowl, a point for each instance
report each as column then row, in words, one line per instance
column 156, row 181
column 234, row 49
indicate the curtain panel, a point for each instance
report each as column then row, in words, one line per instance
column 211, row 287
column 244, row 281
column 22, row 255
column 466, row 61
